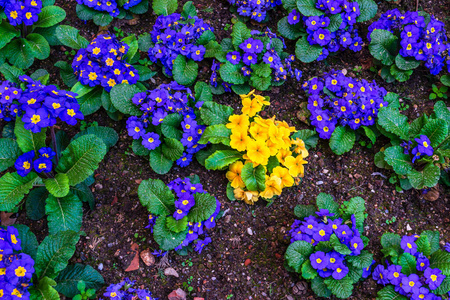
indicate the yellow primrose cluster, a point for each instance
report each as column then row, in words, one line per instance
column 260, row 139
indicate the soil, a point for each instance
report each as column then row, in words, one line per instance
column 239, row 265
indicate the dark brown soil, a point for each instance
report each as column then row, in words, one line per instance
column 219, row 272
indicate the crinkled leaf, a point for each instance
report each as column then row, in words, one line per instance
column 307, row 271
column 240, row 34
column 49, row 16
column 436, row 131
column 302, row 211
column 9, row 152
column 64, row 213
column 368, row 9
column 289, row 31
column 426, row 178
column 35, row 203
column 221, row 159
column 108, row 135
column 28, row 240
column 408, row 263
column 156, row 197
column 325, row 201
column 172, row 149
column 185, row 71
column 70, row 37
column 216, row 134
column 254, row 178
column 159, row 162
column 57, row 186
column 406, row 64
column 44, row 290
column 342, row 140
column 121, row 96
column 308, row 8
column 213, row 113
column 297, row 253
column 13, row 188
column 164, row 7
column 232, row 73
column 167, row 239
column 69, row 277
column 384, row 46
column 305, row 52
column 176, row 225
column 308, row 136
column 204, row 207
column 393, row 121
column 396, row 158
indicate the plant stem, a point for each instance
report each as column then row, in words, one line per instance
column 55, row 147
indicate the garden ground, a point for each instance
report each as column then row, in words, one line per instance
column 245, row 260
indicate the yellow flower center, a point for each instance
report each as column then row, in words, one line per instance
column 35, row 119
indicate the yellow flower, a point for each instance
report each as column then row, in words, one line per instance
column 250, row 107
column 238, row 122
column 295, row 165
column 301, row 148
column 249, row 197
column 258, row 152
column 262, row 100
column 283, row 174
column 258, row 132
column 248, row 95
column 285, row 125
column 275, row 135
column 240, row 140
column 263, row 122
column 284, row 135
column 273, row 147
column 282, row 154
column 234, row 175
column 273, row 187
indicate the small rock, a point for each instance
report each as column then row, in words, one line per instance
column 432, row 195
column 171, row 272
column 408, row 228
column 199, row 298
column 249, row 231
column 335, row 181
column 319, row 182
column 147, row 258
column 100, row 266
column 247, row 262
column 321, row 163
column 177, row 295
column 134, row 265
column 270, row 228
column 213, row 278
column 299, row 288
column 289, row 297
column 98, row 186
column 325, row 171
column 227, row 219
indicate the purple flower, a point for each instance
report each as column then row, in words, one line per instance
column 250, row 59
column 322, row 37
column 340, row 272
column 234, row 57
column 367, row 271
column 294, row 17
column 43, row 164
column 422, row 262
column 197, row 52
column 151, row 140
column 434, row 277
column 380, row 275
column 24, row 164
column 135, row 129
column 319, row 260
column 35, row 119
column 424, row 145
column 394, row 274
column 411, row 283
column 201, row 244
column 179, row 214
column 334, row 260
column 408, row 244
column 356, row 245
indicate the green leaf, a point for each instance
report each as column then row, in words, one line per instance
column 64, row 213
column 216, row 134
column 121, row 96
column 13, row 188
column 308, row 8
column 49, row 33
column 338, row 246
column 204, row 207
column 35, row 203
column 206, row 37
column 232, row 73
column 70, row 37
column 58, row 186
column 44, row 290
column 260, row 83
column 320, row 288
column 428, row 177
column 406, row 64
column 132, row 42
column 391, row 240
column 389, row 293
column 54, row 253
column 262, row 69
column 9, row 152
column 172, row 149
column 7, row 33
column 164, row 7
column 145, row 73
column 212, row 49
column 91, row 101
column 28, row 240
column 445, row 79
column 393, row 100
column 167, row 239
column 49, row 16
column 221, row 159
column 140, row 8
column 156, row 197
column 189, row 10
column 289, row 31
column 185, row 71
column 307, row 271
column 27, row 140
column 203, row 92
column 202, row 155
column 170, row 125
column 325, row 201
column 81, row 158
column 423, row 245
column 20, row 53
column 159, row 162
column 362, row 261
column 342, row 289
column 433, row 238
column 176, row 225
column 69, row 277
column 297, row 253
column 436, row 131
column 102, row 19
column 368, row 9
column 83, row 192
column 254, row 178
column 393, row 121
column 145, row 42
column 335, row 22
column 384, row 46
column 41, row 75
column 213, row 113
column 289, row 5
column 441, row 260
column 356, row 206
column 342, row 140
column 442, row 112
column 66, row 73
column 84, row 12
column 370, row 134
column 108, row 135
column 408, row 263
column 396, row 158
column 399, row 74
column 240, row 34
column 305, row 52
column 308, row 136
column 304, row 211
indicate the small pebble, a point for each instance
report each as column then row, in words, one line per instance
column 249, row 231
column 319, row 182
column 408, row 228
column 100, row 266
